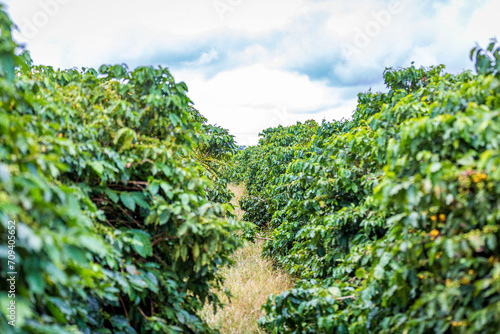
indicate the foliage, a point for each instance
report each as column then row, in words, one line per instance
column 265, row 163
column 390, row 219
column 487, row 61
column 215, row 154
column 118, row 228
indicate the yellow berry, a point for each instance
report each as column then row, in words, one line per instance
column 442, row 217
column 434, row 218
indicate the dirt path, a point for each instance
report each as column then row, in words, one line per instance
column 251, row 280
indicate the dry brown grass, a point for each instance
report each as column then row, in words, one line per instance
column 251, row 280
column 238, row 191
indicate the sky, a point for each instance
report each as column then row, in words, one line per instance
column 254, row 64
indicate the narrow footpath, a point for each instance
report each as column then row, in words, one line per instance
column 251, row 280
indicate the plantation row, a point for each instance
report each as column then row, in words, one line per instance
column 390, row 219
column 117, row 188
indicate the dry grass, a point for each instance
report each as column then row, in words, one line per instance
column 251, row 280
column 238, row 191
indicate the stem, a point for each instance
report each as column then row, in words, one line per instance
column 161, row 237
column 160, row 260
column 142, row 312
column 124, row 309
column 346, row 297
column 260, row 238
column 127, row 214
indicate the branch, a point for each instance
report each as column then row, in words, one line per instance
column 126, row 213
column 124, row 222
column 161, row 237
column 122, row 187
column 160, row 260
column 123, row 210
column 136, row 185
column 346, row 297
column 260, row 238
column 142, row 183
column 142, row 312
column 124, row 309
column 145, row 160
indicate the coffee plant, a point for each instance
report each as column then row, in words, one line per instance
column 389, row 219
column 266, row 162
column 215, row 154
column 116, row 185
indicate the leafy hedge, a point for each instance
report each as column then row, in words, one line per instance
column 215, row 155
column 121, row 225
column 390, row 219
column 257, row 166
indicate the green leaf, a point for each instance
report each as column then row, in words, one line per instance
column 112, row 195
column 378, row 272
column 196, row 250
column 140, row 200
column 58, row 308
column 335, row 291
column 119, row 321
column 128, row 135
column 127, row 200
column 154, row 187
column 167, row 188
column 361, row 273
column 97, row 167
column 141, row 243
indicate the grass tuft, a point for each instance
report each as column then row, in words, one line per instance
column 251, row 280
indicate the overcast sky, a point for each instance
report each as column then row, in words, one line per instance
column 252, row 64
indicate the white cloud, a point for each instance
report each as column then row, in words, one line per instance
column 248, row 100
column 484, row 23
column 251, row 64
column 206, row 58
column 258, row 15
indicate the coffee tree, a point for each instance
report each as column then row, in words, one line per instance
column 390, row 219
column 121, row 226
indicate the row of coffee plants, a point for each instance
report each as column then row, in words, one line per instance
column 256, row 166
column 390, row 220
column 114, row 184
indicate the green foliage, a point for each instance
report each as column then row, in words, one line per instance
column 487, row 60
column 118, row 229
column 215, row 154
column 390, row 219
column 265, row 163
